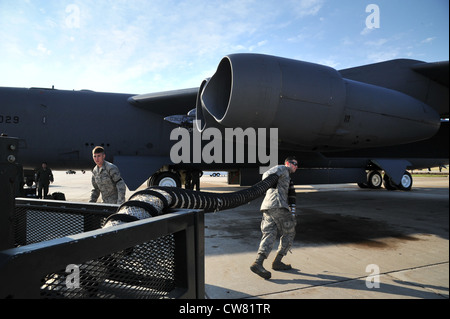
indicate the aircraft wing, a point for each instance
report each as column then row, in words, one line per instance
column 166, row 103
column 437, row 71
column 427, row 82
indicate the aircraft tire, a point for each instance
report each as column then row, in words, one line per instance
column 374, row 179
column 166, row 179
column 406, row 182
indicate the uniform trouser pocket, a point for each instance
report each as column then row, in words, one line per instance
column 275, row 221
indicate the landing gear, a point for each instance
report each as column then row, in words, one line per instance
column 405, row 183
column 388, row 183
column 168, row 178
column 375, row 180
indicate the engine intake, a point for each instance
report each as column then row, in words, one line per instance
column 311, row 104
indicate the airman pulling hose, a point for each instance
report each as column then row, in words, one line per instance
column 156, row 200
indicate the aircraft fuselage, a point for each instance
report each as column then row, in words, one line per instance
column 62, row 127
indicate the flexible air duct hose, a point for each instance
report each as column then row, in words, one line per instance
column 156, row 200
column 151, row 202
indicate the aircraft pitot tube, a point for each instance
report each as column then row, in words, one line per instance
column 156, row 200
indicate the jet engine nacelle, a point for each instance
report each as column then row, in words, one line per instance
column 311, row 104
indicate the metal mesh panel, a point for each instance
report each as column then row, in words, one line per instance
column 34, row 224
column 152, row 268
column 143, row 271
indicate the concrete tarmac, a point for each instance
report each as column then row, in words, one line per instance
column 351, row 243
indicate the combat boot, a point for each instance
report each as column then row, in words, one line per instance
column 257, row 267
column 279, row 265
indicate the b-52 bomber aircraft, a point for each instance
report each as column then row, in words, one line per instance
column 367, row 124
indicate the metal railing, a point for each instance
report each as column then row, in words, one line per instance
column 62, row 252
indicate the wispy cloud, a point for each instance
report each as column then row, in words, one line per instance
column 383, row 55
column 376, row 43
column 307, row 7
column 145, row 38
column 144, row 46
column 366, row 31
column 428, row 40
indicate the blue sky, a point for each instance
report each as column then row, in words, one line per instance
column 150, row 46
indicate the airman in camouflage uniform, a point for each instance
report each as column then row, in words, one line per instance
column 43, row 178
column 276, row 218
column 106, row 180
